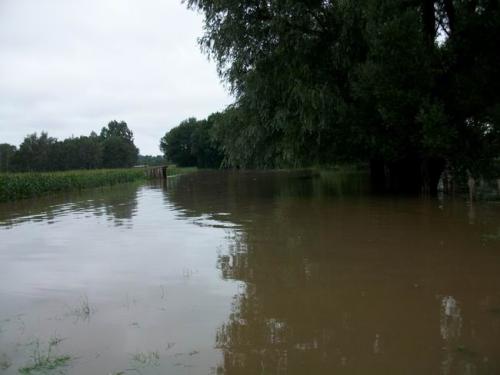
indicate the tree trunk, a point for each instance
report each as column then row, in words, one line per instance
column 448, row 187
column 377, row 175
column 432, row 169
column 449, row 8
column 429, row 20
column 471, row 183
column 410, row 175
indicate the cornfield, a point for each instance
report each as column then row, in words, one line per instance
column 15, row 186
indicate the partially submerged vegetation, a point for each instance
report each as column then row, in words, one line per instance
column 409, row 88
column 147, row 358
column 45, row 360
column 83, row 310
column 5, row 362
column 14, row 186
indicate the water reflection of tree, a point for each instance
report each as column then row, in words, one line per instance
column 120, row 205
column 117, row 203
column 349, row 284
column 244, row 195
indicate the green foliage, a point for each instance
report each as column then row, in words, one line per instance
column 119, row 130
column 7, row 152
column 77, row 153
column 35, row 153
column 151, row 160
column 118, row 153
column 436, row 136
column 45, row 364
column 14, row 186
column 114, row 148
column 192, row 143
column 25, row 185
column 119, row 150
column 204, row 146
column 408, row 86
column 45, row 360
column 176, row 144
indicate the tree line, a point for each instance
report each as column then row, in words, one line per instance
column 113, row 148
column 409, row 87
column 194, row 143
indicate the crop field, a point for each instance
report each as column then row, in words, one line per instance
column 14, row 186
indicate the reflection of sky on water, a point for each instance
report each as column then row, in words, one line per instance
column 149, row 273
column 117, row 206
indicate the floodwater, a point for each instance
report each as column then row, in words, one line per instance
column 249, row 273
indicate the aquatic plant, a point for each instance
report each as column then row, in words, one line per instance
column 147, row 358
column 55, row 340
column 83, row 310
column 5, row 362
column 45, row 360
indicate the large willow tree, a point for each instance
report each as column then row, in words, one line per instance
column 410, row 86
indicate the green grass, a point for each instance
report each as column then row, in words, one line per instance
column 150, row 358
column 45, row 360
column 5, row 362
column 45, row 364
column 14, row 186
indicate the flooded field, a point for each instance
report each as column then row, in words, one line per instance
column 249, row 273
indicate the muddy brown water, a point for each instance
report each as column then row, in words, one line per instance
column 250, row 273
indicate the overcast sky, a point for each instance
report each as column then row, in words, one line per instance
column 70, row 66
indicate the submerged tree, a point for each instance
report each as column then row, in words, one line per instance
column 409, row 86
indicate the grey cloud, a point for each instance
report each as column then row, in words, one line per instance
column 69, row 67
